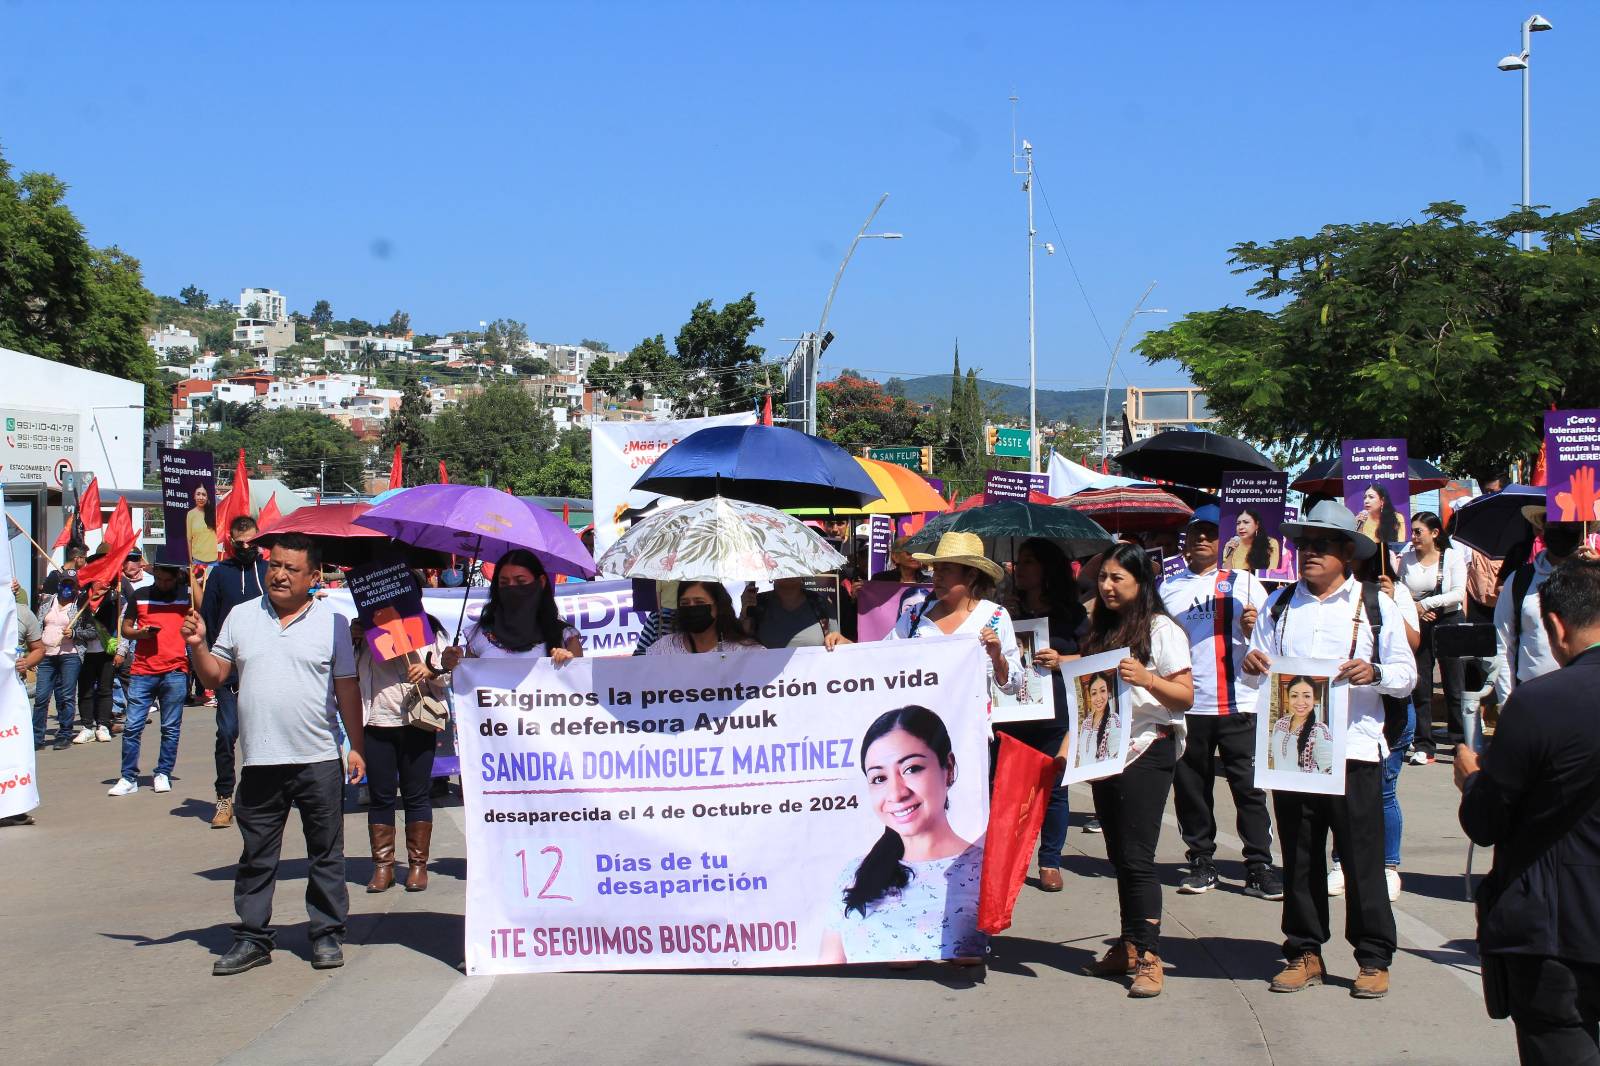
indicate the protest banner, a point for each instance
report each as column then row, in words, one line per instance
column 622, row 452
column 712, row 810
column 1035, row 699
column 388, row 601
column 188, row 506
column 1301, row 719
column 879, row 603
column 1250, row 527
column 880, row 538
column 1572, row 458
column 19, row 787
column 1377, row 489
column 1100, row 715
column 1012, row 485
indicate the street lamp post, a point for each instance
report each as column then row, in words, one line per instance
column 814, row 348
column 1105, row 400
column 1534, row 24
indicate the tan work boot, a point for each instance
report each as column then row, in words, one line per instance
column 1148, row 977
column 224, row 816
column 1119, row 960
column 419, row 835
column 1371, row 983
column 1301, row 971
column 382, row 838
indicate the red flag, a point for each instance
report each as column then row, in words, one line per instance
column 234, row 505
column 1023, row 780
column 444, row 475
column 120, row 527
column 396, row 474
column 566, row 515
column 1540, row 475
column 89, row 505
column 118, row 539
column 766, row 411
column 65, row 536
column 269, row 513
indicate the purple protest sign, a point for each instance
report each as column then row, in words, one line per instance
column 1571, row 459
column 1013, row 485
column 1250, row 529
column 1376, row 488
column 879, row 603
column 880, row 536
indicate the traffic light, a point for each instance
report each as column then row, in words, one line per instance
column 991, row 437
column 927, row 460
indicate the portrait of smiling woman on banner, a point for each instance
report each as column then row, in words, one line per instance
column 914, row 894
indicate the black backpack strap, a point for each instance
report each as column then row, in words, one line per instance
column 1369, row 601
column 1521, row 582
column 1279, row 604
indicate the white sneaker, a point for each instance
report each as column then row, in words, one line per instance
column 123, row 787
column 1391, row 877
column 163, row 783
column 1336, row 881
column 85, row 735
column 103, row 735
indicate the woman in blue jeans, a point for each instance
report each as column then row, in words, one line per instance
column 58, row 670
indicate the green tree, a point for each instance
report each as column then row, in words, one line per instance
column 299, row 445
column 252, row 309
column 194, row 297
column 1439, row 331
column 322, row 315
column 505, row 340
column 531, row 365
column 853, row 410
column 408, row 427
column 712, row 367
column 399, row 324
column 500, row 432
column 594, row 345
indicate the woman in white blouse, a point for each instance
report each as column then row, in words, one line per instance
column 964, row 581
column 1435, row 571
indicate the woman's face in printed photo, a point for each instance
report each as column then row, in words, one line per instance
column 1302, row 699
column 1372, row 501
column 906, row 786
column 1099, row 695
column 1245, row 527
column 201, row 496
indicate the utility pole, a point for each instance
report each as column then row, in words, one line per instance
column 322, row 479
column 1025, row 171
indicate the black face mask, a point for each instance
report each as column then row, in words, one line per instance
column 696, row 618
column 516, row 617
column 246, row 553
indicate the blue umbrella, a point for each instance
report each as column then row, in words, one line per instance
column 768, row 465
column 1493, row 524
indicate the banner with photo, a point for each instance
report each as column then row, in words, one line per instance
column 1101, row 716
column 19, row 786
column 1249, row 533
column 1035, row 700
column 622, row 452
column 1377, row 488
column 879, row 603
column 1572, row 459
column 1302, row 715
column 724, row 811
column 188, row 506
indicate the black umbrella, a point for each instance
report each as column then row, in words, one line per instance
column 1191, row 457
column 1326, row 478
column 1493, row 524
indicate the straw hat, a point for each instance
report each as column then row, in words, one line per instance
column 963, row 548
column 1535, row 514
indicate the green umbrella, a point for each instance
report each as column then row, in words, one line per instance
column 1077, row 534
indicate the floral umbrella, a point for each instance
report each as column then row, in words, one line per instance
column 719, row 540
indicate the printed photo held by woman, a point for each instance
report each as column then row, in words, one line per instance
column 702, row 622
column 1128, row 613
column 399, row 755
column 914, row 894
column 1300, row 737
column 964, row 581
column 1099, row 731
column 201, row 527
column 1434, row 571
column 1378, row 519
column 520, row 620
column 1250, row 548
column 1043, row 587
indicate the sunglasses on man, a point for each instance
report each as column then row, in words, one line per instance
column 1317, row 545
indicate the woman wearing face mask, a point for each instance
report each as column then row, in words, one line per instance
column 703, row 622
column 520, row 619
column 63, row 658
column 1128, row 613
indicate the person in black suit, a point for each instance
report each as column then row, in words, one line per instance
column 1536, row 798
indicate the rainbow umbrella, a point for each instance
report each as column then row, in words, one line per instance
column 904, row 492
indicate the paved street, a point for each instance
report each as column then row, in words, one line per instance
column 112, row 910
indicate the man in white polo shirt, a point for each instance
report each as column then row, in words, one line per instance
column 297, row 677
column 1217, row 610
column 1328, row 614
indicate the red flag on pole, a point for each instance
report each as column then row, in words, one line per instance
column 1540, row 475
column 269, row 513
column 396, row 473
column 766, row 411
column 444, row 475
column 566, row 515
column 65, row 536
column 119, row 539
column 1023, row 780
column 234, row 504
column 120, row 527
column 89, row 505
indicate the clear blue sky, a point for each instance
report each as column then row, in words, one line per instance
column 595, row 171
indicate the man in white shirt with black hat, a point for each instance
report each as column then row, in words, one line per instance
column 1328, row 614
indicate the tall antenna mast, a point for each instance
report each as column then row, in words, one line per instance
column 1023, row 167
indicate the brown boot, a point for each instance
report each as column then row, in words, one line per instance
column 382, row 837
column 418, row 836
column 1371, row 983
column 1300, row 972
column 1148, row 977
column 1119, row 960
